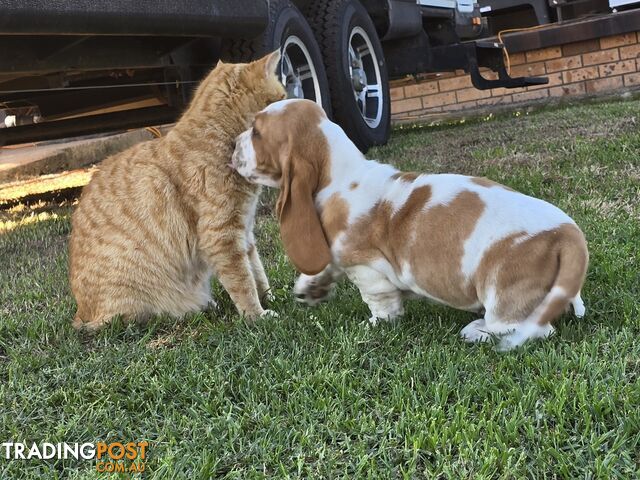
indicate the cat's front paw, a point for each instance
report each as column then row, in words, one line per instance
column 267, row 298
column 211, row 306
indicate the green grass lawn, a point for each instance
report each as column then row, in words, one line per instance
column 317, row 394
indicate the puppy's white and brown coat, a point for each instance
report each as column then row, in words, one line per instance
column 463, row 241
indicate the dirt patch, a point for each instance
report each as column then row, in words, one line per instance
column 172, row 338
column 608, row 208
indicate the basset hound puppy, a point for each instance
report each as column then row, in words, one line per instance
column 466, row 242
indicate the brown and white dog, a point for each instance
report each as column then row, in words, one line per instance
column 463, row 241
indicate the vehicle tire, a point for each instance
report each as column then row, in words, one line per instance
column 301, row 69
column 356, row 69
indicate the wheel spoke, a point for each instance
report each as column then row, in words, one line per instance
column 287, row 68
column 304, row 72
column 364, row 51
column 298, row 71
column 366, row 79
column 373, row 91
column 362, row 97
column 353, row 59
column 290, row 68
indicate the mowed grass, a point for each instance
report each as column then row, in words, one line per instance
column 318, row 394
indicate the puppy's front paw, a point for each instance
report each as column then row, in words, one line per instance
column 377, row 320
column 312, row 293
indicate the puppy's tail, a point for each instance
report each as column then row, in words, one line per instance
column 573, row 260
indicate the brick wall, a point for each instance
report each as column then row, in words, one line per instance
column 592, row 67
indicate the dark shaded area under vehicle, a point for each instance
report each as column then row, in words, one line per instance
column 80, row 56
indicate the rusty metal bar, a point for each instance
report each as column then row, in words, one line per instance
column 88, row 125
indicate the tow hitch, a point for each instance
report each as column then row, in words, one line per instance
column 471, row 56
column 417, row 55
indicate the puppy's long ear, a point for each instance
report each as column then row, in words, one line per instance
column 300, row 227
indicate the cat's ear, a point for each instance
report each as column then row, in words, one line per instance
column 300, row 227
column 271, row 62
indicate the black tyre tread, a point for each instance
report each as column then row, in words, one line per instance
column 322, row 15
column 238, row 50
column 245, row 50
column 324, row 19
column 241, row 50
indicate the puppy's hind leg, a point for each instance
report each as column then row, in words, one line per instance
column 476, row 331
column 510, row 334
column 578, row 306
column 523, row 332
column 381, row 296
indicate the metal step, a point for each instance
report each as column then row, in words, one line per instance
column 471, row 56
column 491, row 55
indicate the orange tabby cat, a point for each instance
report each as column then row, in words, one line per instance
column 159, row 219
